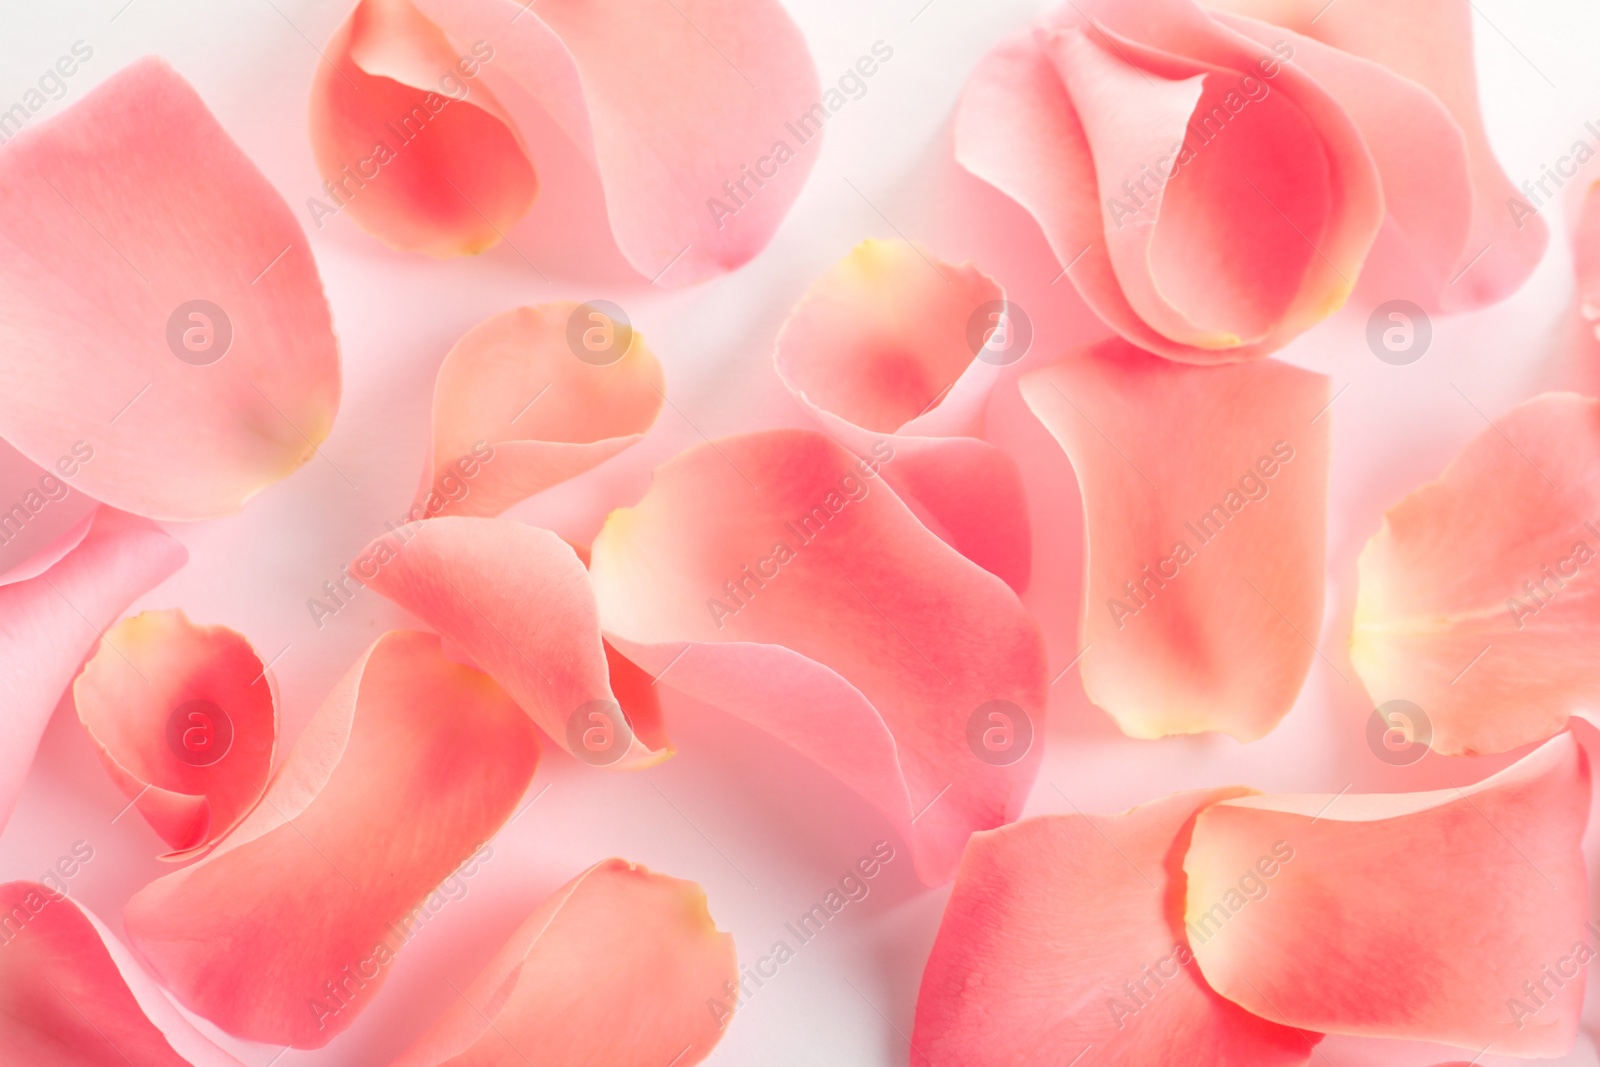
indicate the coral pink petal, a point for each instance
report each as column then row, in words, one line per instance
column 703, row 117
column 411, row 143
column 161, row 317
column 616, row 942
column 893, row 343
column 65, row 995
column 779, row 578
column 532, row 397
column 285, row 932
column 1490, row 567
column 1430, row 42
column 1064, row 935
column 49, row 623
column 185, row 719
column 1197, row 548
column 517, row 600
column 1472, row 894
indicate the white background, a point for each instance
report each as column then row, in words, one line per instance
column 766, row 833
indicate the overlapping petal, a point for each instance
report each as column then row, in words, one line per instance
column 616, row 967
column 1456, row 916
column 1151, row 144
column 701, row 116
column 284, row 933
column 1064, row 936
column 161, row 318
column 70, row 994
column 185, row 719
column 779, row 578
column 517, row 600
column 1205, row 494
column 1430, row 43
column 50, row 622
column 892, row 343
column 532, row 397
column 1493, row 567
column 42, row 518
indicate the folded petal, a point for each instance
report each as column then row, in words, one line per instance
column 892, row 342
column 779, row 578
column 517, row 600
column 284, row 933
column 1477, row 896
column 532, row 397
column 410, row 142
column 1430, row 43
column 1478, row 600
column 618, row 942
column 1064, row 934
column 161, row 317
column 50, row 622
column 1199, row 546
column 69, row 994
column 703, row 117
column 185, row 720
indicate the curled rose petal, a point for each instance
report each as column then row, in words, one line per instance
column 419, row 152
column 50, row 622
column 615, row 938
column 70, row 994
column 1197, row 549
column 779, row 578
column 532, row 397
column 474, row 580
column 185, row 720
column 893, row 343
column 1432, row 916
column 1151, row 143
column 161, row 318
column 1430, row 43
column 698, row 165
column 1493, row 568
column 284, row 933
column 1065, row 933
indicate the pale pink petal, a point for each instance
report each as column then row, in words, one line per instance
column 161, row 318
column 286, row 931
column 1430, row 916
column 893, row 343
column 69, row 994
column 1430, row 43
column 1199, row 545
column 703, row 117
column 1491, row 568
column 532, row 397
column 408, row 139
column 185, row 720
column 779, row 578
column 1064, row 938
column 44, row 519
column 50, row 622
column 517, row 600
column 619, row 966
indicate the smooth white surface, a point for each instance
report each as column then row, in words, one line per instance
column 765, row 832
